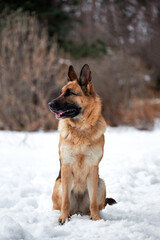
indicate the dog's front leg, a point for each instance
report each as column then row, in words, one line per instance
column 92, row 184
column 66, row 189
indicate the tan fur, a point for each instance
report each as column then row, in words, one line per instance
column 80, row 190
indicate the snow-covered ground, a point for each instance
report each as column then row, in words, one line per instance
column 131, row 169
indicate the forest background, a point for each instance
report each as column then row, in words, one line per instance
column 119, row 39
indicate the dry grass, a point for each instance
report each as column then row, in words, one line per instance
column 28, row 67
column 141, row 114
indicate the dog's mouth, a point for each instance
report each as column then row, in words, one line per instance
column 64, row 110
column 66, row 114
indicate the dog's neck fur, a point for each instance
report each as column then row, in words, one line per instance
column 90, row 123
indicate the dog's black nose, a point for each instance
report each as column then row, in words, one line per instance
column 51, row 105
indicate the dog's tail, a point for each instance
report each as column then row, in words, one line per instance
column 110, row 201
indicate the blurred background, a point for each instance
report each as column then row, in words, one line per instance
column 119, row 39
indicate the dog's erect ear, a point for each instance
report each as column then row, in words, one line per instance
column 85, row 77
column 71, row 74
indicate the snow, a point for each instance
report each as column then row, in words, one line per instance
column 131, row 169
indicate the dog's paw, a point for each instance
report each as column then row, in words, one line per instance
column 96, row 217
column 63, row 218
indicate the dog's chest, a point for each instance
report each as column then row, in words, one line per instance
column 82, row 154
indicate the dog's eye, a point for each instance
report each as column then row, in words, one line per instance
column 68, row 93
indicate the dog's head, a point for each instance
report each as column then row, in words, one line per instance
column 75, row 95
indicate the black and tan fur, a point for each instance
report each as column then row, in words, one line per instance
column 78, row 188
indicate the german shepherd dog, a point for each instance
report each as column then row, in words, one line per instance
column 78, row 188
